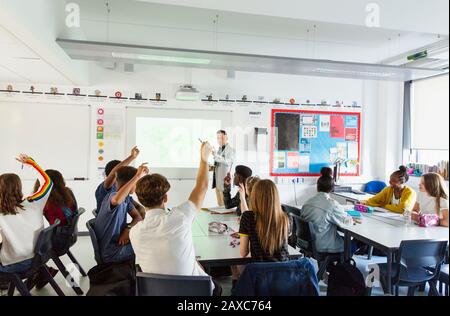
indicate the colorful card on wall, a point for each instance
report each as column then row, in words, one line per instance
column 280, row 160
column 309, row 131
column 351, row 134
column 337, row 126
column 324, row 123
column 292, row 160
column 303, row 163
column 305, row 146
column 351, row 121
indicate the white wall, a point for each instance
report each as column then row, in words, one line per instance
column 381, row 120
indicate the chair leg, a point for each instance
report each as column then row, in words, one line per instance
column 11, row 289
column 422, row 288
column 67, row 275
column 322, row 269
column 433, row 289
column 369, row 253
column 53, row 282
column 411, row 290
column 79, row 267
column 396, row 290
column 21, row 287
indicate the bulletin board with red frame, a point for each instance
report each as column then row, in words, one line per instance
column 304, row 141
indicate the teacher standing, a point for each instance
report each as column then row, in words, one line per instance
column 223, row 161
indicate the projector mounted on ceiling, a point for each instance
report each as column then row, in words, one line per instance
column 187, row 93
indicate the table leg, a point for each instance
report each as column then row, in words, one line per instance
column 389, row 273
column 347, row 246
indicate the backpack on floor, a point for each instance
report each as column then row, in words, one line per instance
column 112, row 279
column 345, row 279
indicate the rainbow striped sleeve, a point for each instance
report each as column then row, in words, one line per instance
column 45, row 188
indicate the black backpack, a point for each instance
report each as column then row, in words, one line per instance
column 345, row 279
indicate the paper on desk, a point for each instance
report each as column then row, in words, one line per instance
column 221, row 210
column 382, row 210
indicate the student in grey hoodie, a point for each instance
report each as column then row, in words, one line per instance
column 326, row 215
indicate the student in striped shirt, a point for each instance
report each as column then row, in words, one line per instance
column 21, row 220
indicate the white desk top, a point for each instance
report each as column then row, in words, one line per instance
column 353, row 196
column 212, row 246
column 391, row 231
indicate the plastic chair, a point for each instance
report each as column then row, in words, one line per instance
column 418, row 262
column 64, row 239
column 42, row 254
column 443, row 279
column 374, row 187
column 97, row 255
column 150, row 284
column 307, row 244
column 289, row 210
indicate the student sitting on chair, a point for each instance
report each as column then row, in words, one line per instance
column 111, row 226
column 245, row 191
column 110, row 185
column 326, row 215
column 397, row 197
column 61, row 205
column 432, row 198
column 21, row 220
column 163, row 240
column 240, row 175
column 264, row 230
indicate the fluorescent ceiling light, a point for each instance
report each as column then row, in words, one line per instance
column 170, row 59
column 169, row 56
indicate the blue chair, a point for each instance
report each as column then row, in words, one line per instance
column 150, row 284
column 289, row 278
column 374, row 187
column 418, row 262
column 443, row 279
column 307, row 243
column 42, row 254
column 97, row 255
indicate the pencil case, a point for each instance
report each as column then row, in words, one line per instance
column 363, row 208
column 428, row 220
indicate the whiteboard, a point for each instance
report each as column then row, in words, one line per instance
column 57, row 136
column 141, row 122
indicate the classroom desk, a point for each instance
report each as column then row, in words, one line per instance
column 350, row 198
column 212, row 249
column 385, row 231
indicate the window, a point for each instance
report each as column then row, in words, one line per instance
column 430, row 120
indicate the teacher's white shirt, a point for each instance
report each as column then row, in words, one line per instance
column 163, row 244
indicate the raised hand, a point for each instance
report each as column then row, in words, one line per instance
column 205, row 151
column 143, row 169
column 135, row 152
column 22, row 158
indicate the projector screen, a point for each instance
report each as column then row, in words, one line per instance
column 168, row 139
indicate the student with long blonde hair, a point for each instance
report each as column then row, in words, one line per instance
column 432, row 198
column 264, row 229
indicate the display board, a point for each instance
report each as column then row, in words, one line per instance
column 57, row 136
column 302, row 142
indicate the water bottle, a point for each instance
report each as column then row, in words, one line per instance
column 407, row 216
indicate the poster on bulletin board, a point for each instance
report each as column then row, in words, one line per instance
column 302, row 142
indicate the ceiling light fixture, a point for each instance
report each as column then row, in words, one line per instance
column 170, row 59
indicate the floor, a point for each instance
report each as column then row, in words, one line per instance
column 83, row 251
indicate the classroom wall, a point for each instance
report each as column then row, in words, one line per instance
column 381, row 118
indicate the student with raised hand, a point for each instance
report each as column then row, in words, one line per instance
column 245, row 190
column 264, row 229
column 240, row 175
column 432, row 198
column 60, row 205
column 163, row 240
column 109, row 185
column 21, row 220
column 326, row 215
column 397, row 197
column 111, row 227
